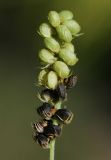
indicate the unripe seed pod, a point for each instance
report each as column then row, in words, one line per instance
column 69, row 46
column 68, row 56
column 52, row 80
column 73, row 26
column 46, row 56
column 65, row 15
column 42, row 77
column 45, row 30
column 61, row 69
column 52, row 44
column 64, row 33
column 54, row 18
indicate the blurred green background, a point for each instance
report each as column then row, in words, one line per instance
column 88, row 137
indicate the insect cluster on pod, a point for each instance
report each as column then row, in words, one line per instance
column 55, row 76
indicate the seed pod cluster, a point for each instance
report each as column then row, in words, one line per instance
column 56, row 77
column 45, row 131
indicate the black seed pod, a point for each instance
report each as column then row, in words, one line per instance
column 43, row 141
column 70, row 81
column 63, row 116
column 39, row 126
column 49, row 95
column 61, row 89
column 52, row 131
column 46, row 111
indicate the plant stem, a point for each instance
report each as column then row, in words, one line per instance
column 52, row 150
column 52, row 145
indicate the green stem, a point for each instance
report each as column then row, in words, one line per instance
column 52, row 145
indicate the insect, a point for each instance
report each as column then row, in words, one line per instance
column 42, row 140
column 52, row 131
column 46, row 111
column 64, row 116
column 61, row 89
column 70, row 81
column 39, row 126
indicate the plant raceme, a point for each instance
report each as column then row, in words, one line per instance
column 57, row 56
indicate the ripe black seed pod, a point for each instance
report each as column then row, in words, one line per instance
column 61, row 89
column 39, row 126
column 63, row 116
column 46, row 111
column 70, row 81
column 43, row 141
column 49, row 95
column 52, row 131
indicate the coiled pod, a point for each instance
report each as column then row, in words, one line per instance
column 42, row 77
column 61, row 69
column 54, row 18
column 49, row 95
column 42, row 140
column 45, row 30
column 70, row 81
column 68, row 46
column 52, row 44
column 39, row 126
column 64, row 33
column 63, row 116
column 52, row 80
column 65, row 15
column 69, row 57
column 73, row 26
column 61, row 90
column 46, row 111
column 46, row 56
column 53, row 131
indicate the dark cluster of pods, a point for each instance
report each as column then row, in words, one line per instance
column 45, row 130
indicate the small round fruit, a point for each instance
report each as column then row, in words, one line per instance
column 68, row 57
column 46, row 56
column 45, row 30
column 54, row 18
column 64, row 33
column 68, row 46
column 52, row 80
column 52, row 44
column 61, row 69
column 73, row 26
column 65, row 15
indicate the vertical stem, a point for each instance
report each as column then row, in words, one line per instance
column 52, row 145
column 52, row 150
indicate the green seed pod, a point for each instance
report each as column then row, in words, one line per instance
column 64, row 33
column 68, row 57
column 61, row 69
column 52, row 44
column 45, row 30
column 46, row 56
column 54, row 18
column 65, row 15
column 69, row 46
column 42, row 77
column 52, row 80
column 73, row 26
